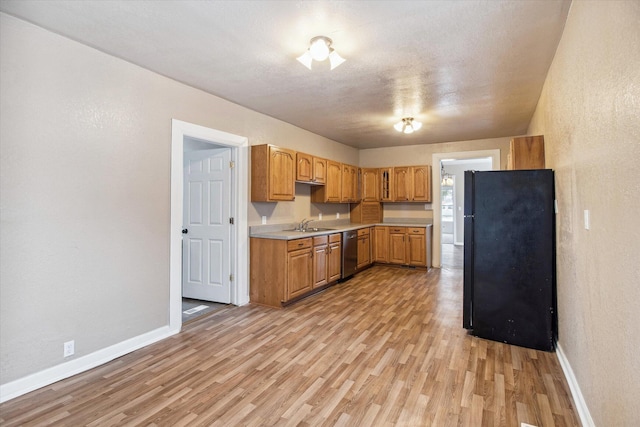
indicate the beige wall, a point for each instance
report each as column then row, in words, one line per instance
column 589, row 113
column 85, row 144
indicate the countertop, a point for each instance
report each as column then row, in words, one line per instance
column 284, row 232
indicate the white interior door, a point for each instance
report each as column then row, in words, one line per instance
column 206, row 261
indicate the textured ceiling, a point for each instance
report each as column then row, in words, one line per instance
column 466, row 69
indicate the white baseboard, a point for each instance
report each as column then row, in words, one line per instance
column 576, row 393
column 65, row 370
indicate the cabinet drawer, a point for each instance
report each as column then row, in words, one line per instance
column 292, row 245
column 333, row 238
column 320, row 240
column 363, row 232
column 397, row 230
column 415, row 230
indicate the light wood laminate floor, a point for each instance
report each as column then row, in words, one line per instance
column 382, row 349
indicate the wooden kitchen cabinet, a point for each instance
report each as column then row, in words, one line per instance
column 310, row 169
column 280, row 270
column 319, row 170
column 327, row 259
column 526, row 152
column 331, row 191
column 334, row 258
column 402, row 184
column 386, row 186
column 304, row 167
column 417, row 246
column 380, row 244
column 349, row 184
column 366, row 212
column 369, row 185
column 273, row 171
column 421, row 183
column 397, row 245
column 299, row 271
column 407, row 246
column 320, row 261
column 364, row 248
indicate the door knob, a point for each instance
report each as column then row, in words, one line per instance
column 185, row 230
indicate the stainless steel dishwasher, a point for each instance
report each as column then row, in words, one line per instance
column 349, row 253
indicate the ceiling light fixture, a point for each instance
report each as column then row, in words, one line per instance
column 319, row 50
column 407, row 125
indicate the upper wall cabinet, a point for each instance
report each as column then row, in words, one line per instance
column 350, row 188
column 310, row 169
column 526, row 153
column 369, row 185
column 331, row 191
column 319, row 170
column 405, row 184
column 402, row 184
column 273, row 171
column 386, row 178
column 421, row 176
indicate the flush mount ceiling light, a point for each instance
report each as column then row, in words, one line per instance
column 407, row 125
column 319, row 50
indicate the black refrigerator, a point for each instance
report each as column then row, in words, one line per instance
column 509, row 257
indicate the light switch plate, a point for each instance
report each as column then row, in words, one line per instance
column 264, row 219
column 555, row 206
column 587, row 219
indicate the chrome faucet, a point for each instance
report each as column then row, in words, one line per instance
column 303, row 224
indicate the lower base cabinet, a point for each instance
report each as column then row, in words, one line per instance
column 284, row 270
column 364, row 248
column 402, row 245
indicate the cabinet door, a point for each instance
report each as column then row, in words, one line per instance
column 397, row 247
column 299, row 272
column 369, row 190
column 304, row 167
column 320, row 265
column 421, row 183
column 386, row 184
column 347, row 184
column 281, row 173
column 526, row 152
column 334, row 181
column 417, row 250
column 355, row 184
column 402, row 184
column 364, row 251
column 380, row 244
column 319, row 170
column 334, row 268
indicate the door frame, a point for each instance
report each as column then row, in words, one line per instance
column 436, row 158
column 240, row 255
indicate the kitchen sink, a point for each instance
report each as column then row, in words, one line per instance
column 311, row 229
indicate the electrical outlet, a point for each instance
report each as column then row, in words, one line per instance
column 264, row 219
column 337, row 215
column 319, row 217
column 69, row 348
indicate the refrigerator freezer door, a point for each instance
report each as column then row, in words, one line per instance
column 467, row 307
column 514, row 258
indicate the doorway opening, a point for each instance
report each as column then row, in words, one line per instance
column 187, row 137
column 448, row 201
column 452, row 206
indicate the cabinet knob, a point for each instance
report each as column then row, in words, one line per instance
column 185, row 230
